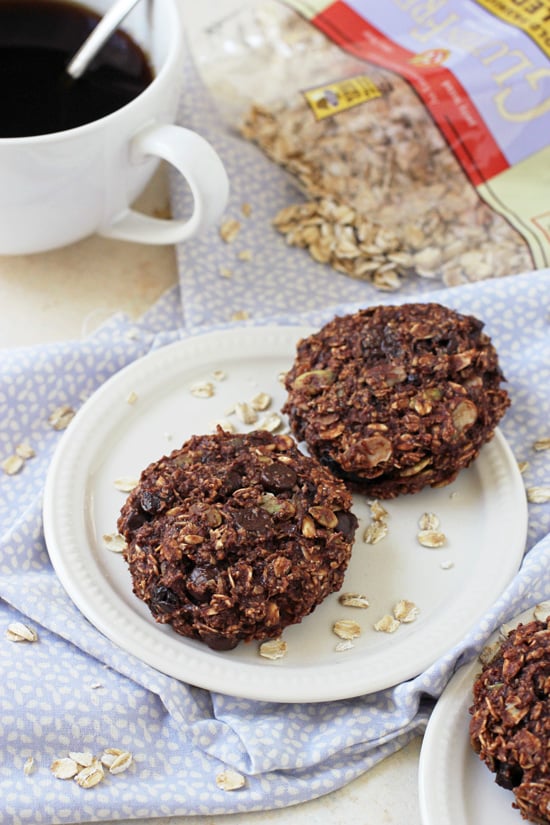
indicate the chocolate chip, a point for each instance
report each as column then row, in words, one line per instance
column 217, row 642
column 253, row 519
column 278, row 477
column 508, row 776
column 347, row 524
column 201, row 583
column 232, row 481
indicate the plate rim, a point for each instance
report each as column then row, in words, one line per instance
column 296, row 686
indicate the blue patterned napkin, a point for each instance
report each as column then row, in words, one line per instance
column 73, row 690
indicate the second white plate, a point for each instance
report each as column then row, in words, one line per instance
column 455, row 786
column 483, row 514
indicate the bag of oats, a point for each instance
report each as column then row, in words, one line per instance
column 417, row 131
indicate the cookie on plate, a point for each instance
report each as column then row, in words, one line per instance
column 235, row 537
column 396, row 398
column 510, row 718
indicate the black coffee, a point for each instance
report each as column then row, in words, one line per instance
column 37, row 40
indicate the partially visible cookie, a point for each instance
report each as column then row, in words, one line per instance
column 396, row 398
column 510, row 718
column 235, row 537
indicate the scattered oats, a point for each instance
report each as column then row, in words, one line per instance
column 542, row 611
column 25, row 451
column 345, row 644
column 246, row 209
column 375, row 532
column 96, row 686
column 168, row 436
column 542, row 444
column 405, row 611
column 132, row 334
column 428, row 521
column 488, row 653
column 346, row 629
column 523, row 466
column 447, row 565
column 132, row 398
column 219, row 375
column 246, row 413
column 61, row 417
column 281, row 377
column 387, row 624
column 82, row 758
column 229, row 230
column 245, row 255
column 273, row 649
column 28, row 766
column 114, row 542
column 109, row 755
column 261, row 402
column 271, row 423
column 64, row 768
column 125, row 483
column 224, row 424
column 377, row 510
column 225, row 272
column 240, row 315
column 431, row 538
column 121, row 762
column 12, row 465
column 203, row 389
column 353, row 600
column 19, row 632
column 538, row 495
column 90, row 776
column 230, row 780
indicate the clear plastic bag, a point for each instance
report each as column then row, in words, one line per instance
column 381, row 195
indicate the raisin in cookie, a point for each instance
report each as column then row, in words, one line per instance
column 510, row 718
column 235, row 537
column 396, row 398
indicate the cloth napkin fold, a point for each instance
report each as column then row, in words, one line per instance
column 74, row 690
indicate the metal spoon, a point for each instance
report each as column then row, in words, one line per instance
column 98, row 36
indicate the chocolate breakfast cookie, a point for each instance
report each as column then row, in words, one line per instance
column 235, row 537
column 510, row 718
column 396, row 398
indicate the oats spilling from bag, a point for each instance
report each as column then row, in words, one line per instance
column 385, row 197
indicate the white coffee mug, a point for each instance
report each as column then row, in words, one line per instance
column 60, row 187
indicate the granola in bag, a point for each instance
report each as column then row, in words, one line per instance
column 398, row 171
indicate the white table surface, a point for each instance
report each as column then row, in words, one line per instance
column 66, row 294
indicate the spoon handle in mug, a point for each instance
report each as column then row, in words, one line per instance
column 99, row 36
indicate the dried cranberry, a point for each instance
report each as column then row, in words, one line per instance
column 164, row 600
column 150, row 502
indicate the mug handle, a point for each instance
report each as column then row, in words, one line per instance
column 203, row 171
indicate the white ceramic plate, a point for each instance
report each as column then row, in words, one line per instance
column 455, row 786
column 483, row 515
